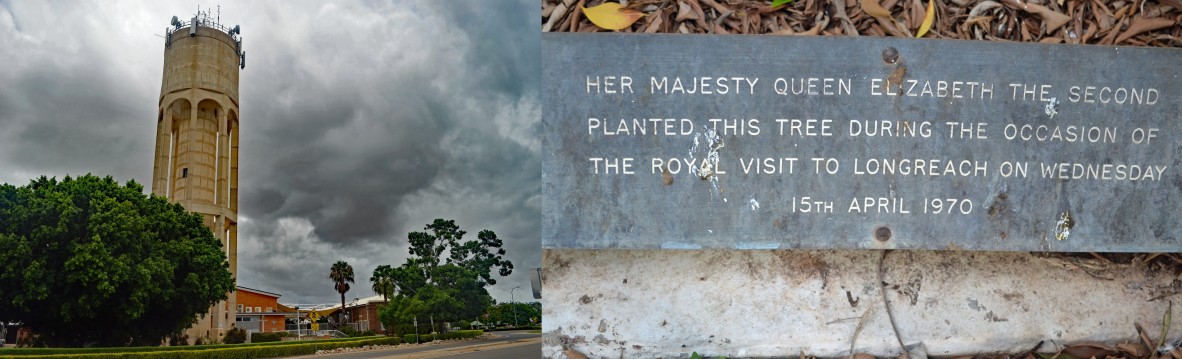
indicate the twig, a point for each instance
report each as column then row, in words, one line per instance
column 1164, row 295
column 882, row 290
column 1100, row 257
column 1165, row 324
column 861, row 323
column 1033, row 350
column 840, row 320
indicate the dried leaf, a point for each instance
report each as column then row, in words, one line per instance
column 1120, row 13
column 874, row 9
column 1141, row 25
column 558, row 12
column 573, row 354
column 1051, row 18
column 685, row 12
column 927, row 19
column 576, row 12
column 612, row 16
column 655, row 24
column 1089, row 350
column 1133, row 349
column 1144, row 337
column 1054, row 19
column 547, row 9
column 1059, row 355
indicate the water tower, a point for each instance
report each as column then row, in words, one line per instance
column 197, row 131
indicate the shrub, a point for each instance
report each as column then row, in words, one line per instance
column 264, row 337
column 234, row 336
column 178, row 339
column 401, row 329
column 240, row 351
column 123, row 351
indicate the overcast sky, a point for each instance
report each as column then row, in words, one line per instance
column 361, row 121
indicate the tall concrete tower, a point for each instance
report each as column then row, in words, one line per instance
column 197, row 126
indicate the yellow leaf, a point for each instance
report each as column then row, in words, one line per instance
column 612, row 16
column 927, row 19
column 874, row 9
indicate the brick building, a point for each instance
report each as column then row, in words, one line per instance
column 259, row 310
column 363, row 313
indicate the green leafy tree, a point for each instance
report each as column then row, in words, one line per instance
column 504, row 312
column 341, row 275
column 481, row 256
column 90, row 262
column 445, row 277
column 427, row 249
column 408, row 279
column 383, row 281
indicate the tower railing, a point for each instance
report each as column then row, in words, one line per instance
column 203, row 19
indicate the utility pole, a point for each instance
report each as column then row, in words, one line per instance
column 514, row 304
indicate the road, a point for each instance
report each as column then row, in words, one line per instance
column 510, row 344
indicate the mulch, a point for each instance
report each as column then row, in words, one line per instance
column 1125, row 23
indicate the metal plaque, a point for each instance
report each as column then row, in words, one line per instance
column 672, row 141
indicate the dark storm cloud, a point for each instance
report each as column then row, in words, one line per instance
column 66, row 110
column 361, row 122
column 512, row 75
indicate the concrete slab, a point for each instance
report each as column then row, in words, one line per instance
column 760, row 303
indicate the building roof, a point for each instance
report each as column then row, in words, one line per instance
column 359, row 302
column 329, row 309
column 261, row 292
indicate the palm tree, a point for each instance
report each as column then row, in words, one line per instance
column 383, row 281
column 341, row 274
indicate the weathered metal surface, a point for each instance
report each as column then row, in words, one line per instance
column 805, row 129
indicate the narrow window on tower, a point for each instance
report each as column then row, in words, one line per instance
column 185, row 172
